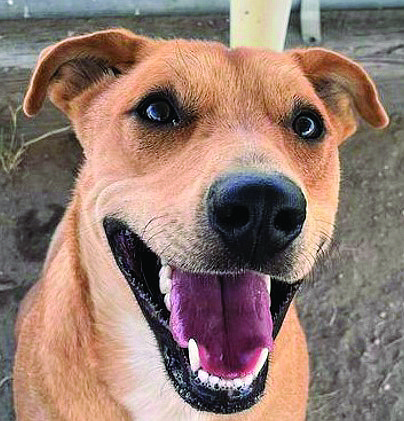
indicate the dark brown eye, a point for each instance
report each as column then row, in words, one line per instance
column 158, row 110
column 308, row 125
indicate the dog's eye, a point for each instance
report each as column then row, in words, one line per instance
column 308, row 125
column 158, row 110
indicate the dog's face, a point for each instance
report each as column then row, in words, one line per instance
column 211, row 182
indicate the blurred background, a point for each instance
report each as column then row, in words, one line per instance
column 352, row 308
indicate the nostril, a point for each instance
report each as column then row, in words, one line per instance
column 232, row 217
column 289, row 220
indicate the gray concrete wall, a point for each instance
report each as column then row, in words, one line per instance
column 16, row 9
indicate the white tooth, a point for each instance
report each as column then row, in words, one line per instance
column 203, row 376
column 268, row 283
column 238, row 383
column 167, row 301
column 261, row 361
column 248, row 379
column 165, row 279
column 193, row 354
column 165, row 285
column 213, row 380
column 166, row 271
column 229, row 384
column 222, row 383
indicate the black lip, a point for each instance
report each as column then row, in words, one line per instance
column 141, row 266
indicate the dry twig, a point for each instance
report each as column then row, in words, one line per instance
column 13, row 146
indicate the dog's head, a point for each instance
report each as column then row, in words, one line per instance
column 211, row 182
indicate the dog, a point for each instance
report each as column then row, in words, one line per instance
column 208, row 192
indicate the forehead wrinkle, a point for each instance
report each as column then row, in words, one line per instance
column 278, row 82
column 208, row 79
column 202, row 74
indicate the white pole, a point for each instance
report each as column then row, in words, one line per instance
column 259, row 23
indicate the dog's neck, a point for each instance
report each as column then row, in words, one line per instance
column 69, row 342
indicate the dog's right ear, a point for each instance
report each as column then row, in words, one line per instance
column 66, row 69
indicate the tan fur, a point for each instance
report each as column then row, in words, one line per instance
column 84, row 350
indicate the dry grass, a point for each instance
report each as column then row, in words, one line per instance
column 13, row 145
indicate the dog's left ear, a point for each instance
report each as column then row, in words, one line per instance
column 68, row 68
column 344, row 86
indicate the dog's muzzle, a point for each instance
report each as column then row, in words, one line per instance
column 216, row 329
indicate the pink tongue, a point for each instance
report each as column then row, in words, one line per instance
column 227, row 315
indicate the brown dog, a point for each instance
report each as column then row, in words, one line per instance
column 211, row 176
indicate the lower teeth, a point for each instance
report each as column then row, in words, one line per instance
column 216, row 382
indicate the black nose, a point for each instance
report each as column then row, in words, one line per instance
column 256, row 215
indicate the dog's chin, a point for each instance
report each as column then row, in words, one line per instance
column 182, row 313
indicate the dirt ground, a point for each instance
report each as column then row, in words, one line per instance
column 352, row 308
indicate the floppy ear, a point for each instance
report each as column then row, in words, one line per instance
column 66, row 69
column 344, row 87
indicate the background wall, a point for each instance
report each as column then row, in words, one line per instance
column 12, row 9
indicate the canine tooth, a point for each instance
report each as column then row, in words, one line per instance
column 203, row 376
column 167, row 301
column 165, row 279
column 193, row 354
column 213, row 380
column 261, row 361
column 248, row 379
column 268, row 283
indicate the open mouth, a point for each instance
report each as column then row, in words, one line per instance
column 214, row 332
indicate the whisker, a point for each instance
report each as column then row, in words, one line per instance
column 151, row 220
